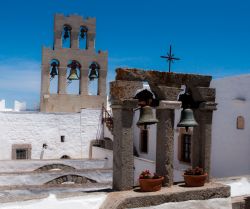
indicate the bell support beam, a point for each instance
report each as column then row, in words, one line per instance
column 123, row 158
column 165, row 113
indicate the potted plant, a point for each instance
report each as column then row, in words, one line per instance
column 195, row 177
column 149, row 182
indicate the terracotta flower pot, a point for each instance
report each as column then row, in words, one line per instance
column 195, row 180
column 150, row 185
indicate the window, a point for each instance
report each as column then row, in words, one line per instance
column 21, row 151
column 185, row 145
column 144, row 141
column 62, row 138
column 186, row 148
column 21, row 154
column 240, row 122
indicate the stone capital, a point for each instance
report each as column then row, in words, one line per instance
column 125, row 104
column 123, row 90
column 164, row 104
column 165, row 92
column 204, row 94
column 208, row 106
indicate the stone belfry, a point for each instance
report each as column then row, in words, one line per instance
column 73, row 59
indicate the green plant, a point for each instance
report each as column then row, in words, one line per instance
column 147, row 175
column 194, row 171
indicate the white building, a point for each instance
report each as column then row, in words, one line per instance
column 36, row 135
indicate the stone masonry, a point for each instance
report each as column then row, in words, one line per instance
column 166, row 88
column 62, row 101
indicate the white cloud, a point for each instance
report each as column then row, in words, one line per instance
column 21, row 75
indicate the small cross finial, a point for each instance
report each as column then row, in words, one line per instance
column 170, row 58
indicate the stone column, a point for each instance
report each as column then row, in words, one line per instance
column 45, row 83
column 102, row 82
column 74, row 39
column 165, row 140
column 84, row 80
column 201, row 146
column 62, row 74
column 123, row 158
column 90, row 41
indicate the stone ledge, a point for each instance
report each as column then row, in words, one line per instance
column 177, row 193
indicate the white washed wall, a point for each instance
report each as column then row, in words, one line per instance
column 19, row 106
column 105, row 154
column 231, row 146
column 2, row 105
column 141, row 164
column 37, row 128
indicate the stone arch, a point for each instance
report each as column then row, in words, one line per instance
column 75, row 179
column 66, row 36
column 65, row 157
column 73, row 84
column 93, row 76
column 51, row 167
column 83, row 35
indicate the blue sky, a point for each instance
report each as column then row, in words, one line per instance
column 211, row 37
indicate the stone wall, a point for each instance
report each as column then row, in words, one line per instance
column 37, row 129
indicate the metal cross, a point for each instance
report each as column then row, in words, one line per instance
column 170, row 58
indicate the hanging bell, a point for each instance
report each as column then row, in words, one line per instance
column 66, row 33
column 83, row 33
column 146, row 117
column 93, row 75
column 53, row 72
column 73, row 75
column 187, row 119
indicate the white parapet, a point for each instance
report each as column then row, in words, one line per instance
column 19, row 106
column 2, row 105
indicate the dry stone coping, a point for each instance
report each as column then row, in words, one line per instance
column 55, row 166
column 177, row 193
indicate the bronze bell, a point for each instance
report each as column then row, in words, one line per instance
column 146, row 116
column 73, row 75
column 66, row 33
column 83, row 32
column 187, row 119
column 93, row 75
column 53, row 72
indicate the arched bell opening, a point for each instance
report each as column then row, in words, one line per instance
column 185, row 122
column 73, row 77
column 83, row 34
column 66, row 36
column 93, row 76
column 145, row 122
column 54, row 67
